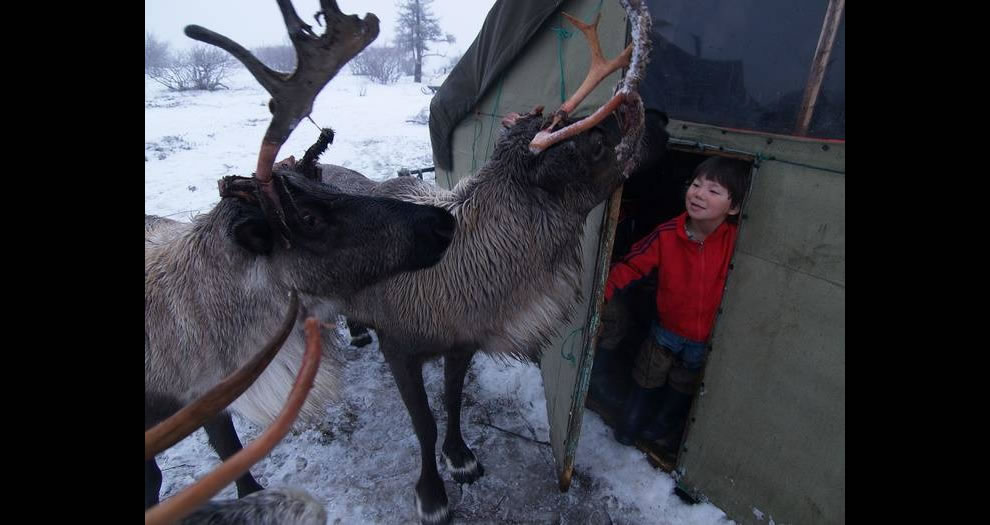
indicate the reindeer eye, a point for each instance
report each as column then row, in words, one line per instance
column 309, row 219
column 597, row 146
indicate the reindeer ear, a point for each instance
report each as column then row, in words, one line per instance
column 253, row 234
column 285, row 164
column 510, row 120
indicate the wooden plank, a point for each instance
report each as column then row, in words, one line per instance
column 819, row 65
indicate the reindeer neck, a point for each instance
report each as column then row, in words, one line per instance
column 518, row 217
column 216, row 277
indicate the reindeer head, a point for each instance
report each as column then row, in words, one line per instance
column 328, row 244
column 579, row 171
column 584, row 160
column 333, row 234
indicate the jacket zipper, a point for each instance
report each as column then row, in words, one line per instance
column 701, row 287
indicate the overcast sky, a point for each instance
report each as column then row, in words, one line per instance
column 258, row 22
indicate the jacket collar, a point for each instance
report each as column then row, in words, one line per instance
column 682, row 231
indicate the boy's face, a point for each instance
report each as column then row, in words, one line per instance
column 708, row 200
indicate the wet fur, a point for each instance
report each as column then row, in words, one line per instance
column 512, row 273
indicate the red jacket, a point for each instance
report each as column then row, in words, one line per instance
column 691, row 274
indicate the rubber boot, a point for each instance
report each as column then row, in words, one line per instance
column 670, row 443
column 603, row 388
column 611, row 332
column 639, row 407
column 657, row 423
column 668, row 424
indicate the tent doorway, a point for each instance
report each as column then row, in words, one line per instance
column 653, row 195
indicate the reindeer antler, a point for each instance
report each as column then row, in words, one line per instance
column 635, row 53
column 183, row 503
column 599, row 69
column 319, row 58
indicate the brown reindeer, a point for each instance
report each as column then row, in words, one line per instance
column 512, row 273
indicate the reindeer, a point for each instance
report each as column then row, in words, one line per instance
column 512, row 273
column 214, row 287
column 285, row 506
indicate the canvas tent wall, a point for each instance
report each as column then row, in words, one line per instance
column 767, row 433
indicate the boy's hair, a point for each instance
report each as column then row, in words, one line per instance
column 731, row 173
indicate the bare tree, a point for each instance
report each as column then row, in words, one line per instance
column 450, row 64
column 279, row 57
column 202, row 67
column 381, row 64
column 209, row 67
column 156, row 52
column 415, row 28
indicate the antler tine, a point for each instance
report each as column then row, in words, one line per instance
column 544, row 139
column 296, row 27
column 183, row 503
column 329, row 6
column 197, row 413
column 267, row 77
column 319, row 59
column 599, row 69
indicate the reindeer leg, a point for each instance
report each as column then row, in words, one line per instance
column 431, row 496
column 157, row 408
column 223, row 439
column 360, row 336
column 463, row 465
column 152, row 483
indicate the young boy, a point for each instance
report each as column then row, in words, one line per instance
column 691, row 254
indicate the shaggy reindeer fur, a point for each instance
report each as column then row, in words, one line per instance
column 217, row 289
column 268, row 507
column 201, row 335
column 512, row 272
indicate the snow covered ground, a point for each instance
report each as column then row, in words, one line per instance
column 363, row 459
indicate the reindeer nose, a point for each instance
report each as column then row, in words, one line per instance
column 444, row 225
column 434, row 233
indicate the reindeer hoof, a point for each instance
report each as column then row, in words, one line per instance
column 246, row 487
column 361, row 340
column 468, row 469
column 439, row 515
